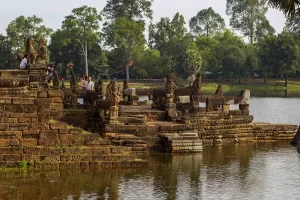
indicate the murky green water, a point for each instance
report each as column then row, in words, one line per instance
column 245, row 171
column 248, row 171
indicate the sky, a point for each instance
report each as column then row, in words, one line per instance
column 54, row 11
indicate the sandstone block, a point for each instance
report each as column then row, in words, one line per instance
column 43, row 119
column 43, row 101
column 42, row 94
column 32, row 150
column 66, row 158
column 56, row 106
column 8, row 120
column 58, row 125
column 30, row 132
column 16, row 150
column 54, row 93
column 52, row 158
column 44, row 113
column 39, row 126
column 45, row 151
column 29, row 142
column 50, row 165
column 4, row 150
column 12, row 157
column 29, row 108
column 24, row 120
column 57, row 151
column 22, row 101
column 43, row 108
column 14, row 108
column 9, row 164
column 28, row 157
column 19, row 127
column 30, row 115
column 32, row 94
column 46, row 142
column 5, row 100
column 57, row 100
column 10, row 134
column 48, row 134
column 3, row 127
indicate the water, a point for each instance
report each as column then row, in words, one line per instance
column 245, row 171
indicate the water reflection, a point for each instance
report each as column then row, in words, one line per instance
column 248, row 171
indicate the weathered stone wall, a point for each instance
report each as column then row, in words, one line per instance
column 31, row 133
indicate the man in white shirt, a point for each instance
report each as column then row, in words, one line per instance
column 24, row 64
column 89, row 85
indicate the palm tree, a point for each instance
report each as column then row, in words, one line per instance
column 289, row 7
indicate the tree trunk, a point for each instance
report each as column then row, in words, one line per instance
column 127, row 72
column 286, row 81
column 86, row 59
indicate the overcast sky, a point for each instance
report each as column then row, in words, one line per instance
column 54, row 11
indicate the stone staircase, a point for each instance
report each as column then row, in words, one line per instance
column 183, row 142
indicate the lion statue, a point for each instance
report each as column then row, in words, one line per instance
column 42, row 51
column 29, row 49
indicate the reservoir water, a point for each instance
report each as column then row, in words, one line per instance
column 243, row 171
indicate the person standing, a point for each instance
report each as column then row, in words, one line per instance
column 82, row 82
column 89, row 87
column 24, row 63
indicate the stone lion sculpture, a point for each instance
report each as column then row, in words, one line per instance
column 42, row 51
column 29, row 49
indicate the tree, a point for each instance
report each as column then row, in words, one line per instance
column 293, row 25
column 193, row 60
column 288, row 55
column 248, row 16
column 289, row 7
column 6, row 55
column 132, row 10
column 208, row 47
column 166, row 30
column 233, row 62
column 83, row 26
column 127, row 40
column 151, row 65
column 206, row 22
column 267, row 55
column 22, row 28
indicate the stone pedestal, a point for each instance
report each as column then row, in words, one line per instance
column 171, row 111
column 113, row 115
column 37, row 75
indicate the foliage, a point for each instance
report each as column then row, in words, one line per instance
column 132, row 10
column 206, row 22
column 127, row 40
column 6, row 56
column 248, row 16
column 83, row 26
column 22, row 28
column 293, row 25
column 289, row 7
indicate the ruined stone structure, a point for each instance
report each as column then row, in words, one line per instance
column 46, row 127
column 34, row 126
column 189, row 126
